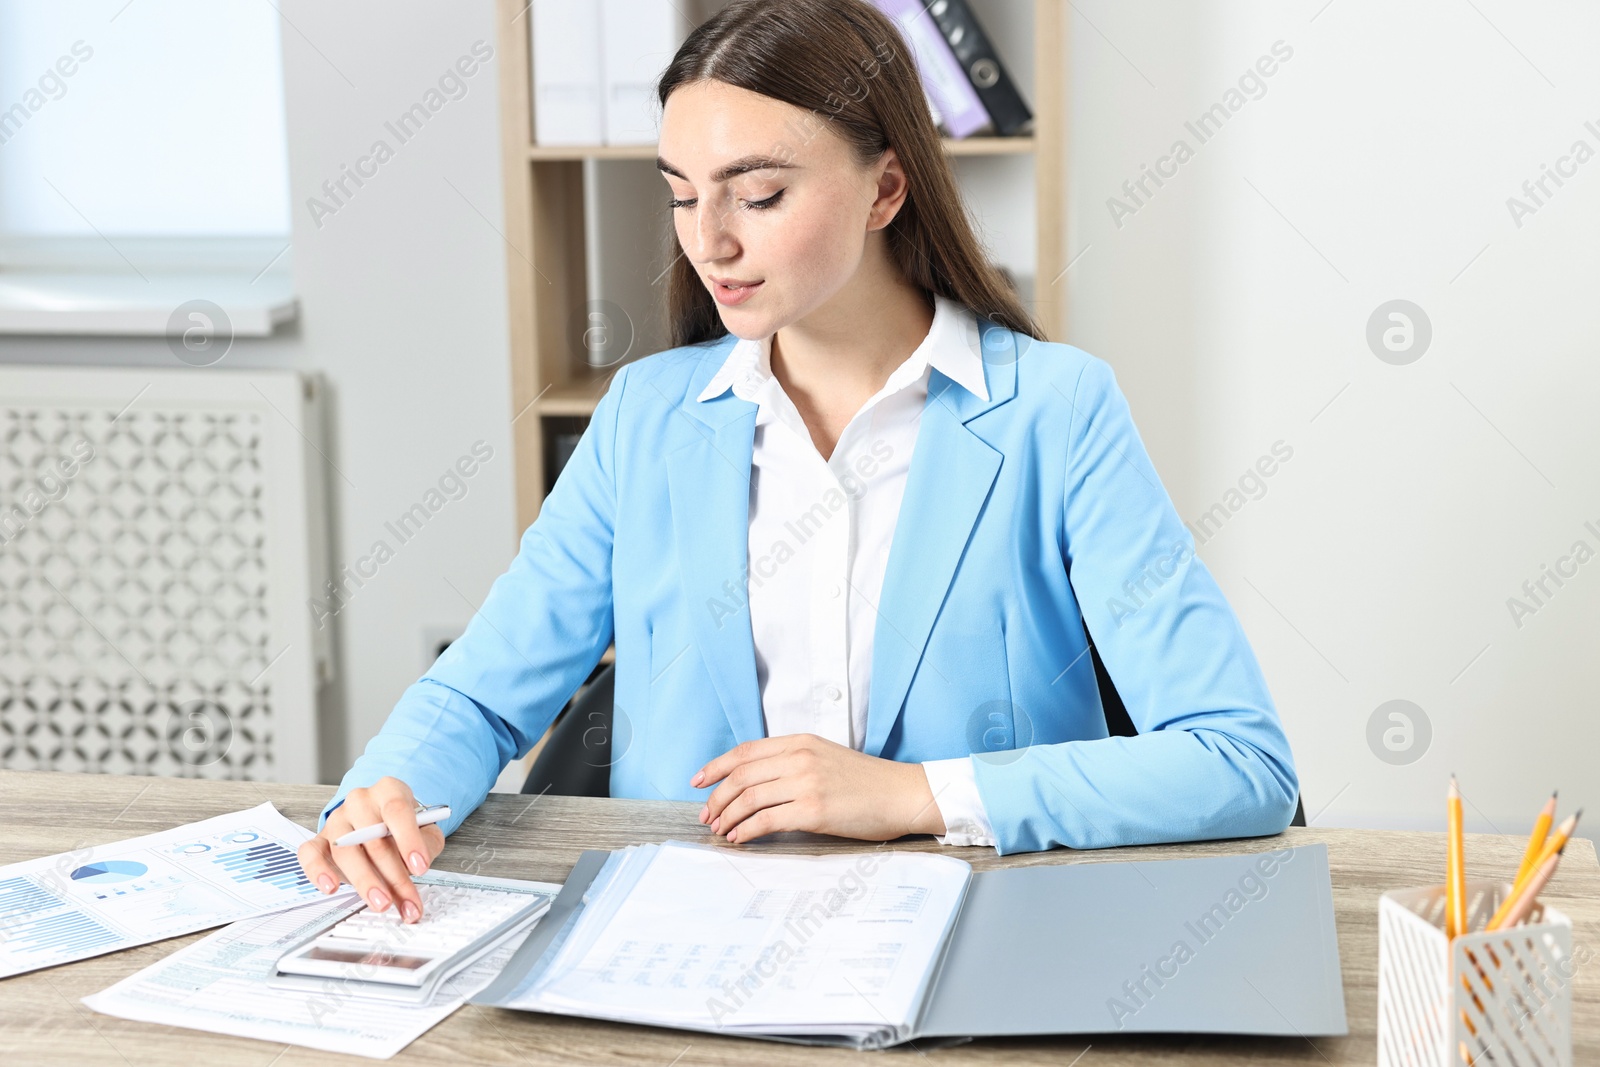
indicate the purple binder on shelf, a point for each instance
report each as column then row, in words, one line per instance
column 951, row 97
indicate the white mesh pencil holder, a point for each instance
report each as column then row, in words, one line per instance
column 1501, row 999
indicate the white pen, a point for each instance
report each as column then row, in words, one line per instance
column 425, row 817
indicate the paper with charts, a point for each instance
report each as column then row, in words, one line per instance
column 103, row 898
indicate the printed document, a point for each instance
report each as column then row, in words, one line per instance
column 776, row 943
column 103, row 898
column 219, row 984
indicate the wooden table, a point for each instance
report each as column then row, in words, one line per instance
column 539, row 838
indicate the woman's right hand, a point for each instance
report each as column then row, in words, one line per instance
column 378, row 869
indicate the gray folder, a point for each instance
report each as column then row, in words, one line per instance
column 1239, row 944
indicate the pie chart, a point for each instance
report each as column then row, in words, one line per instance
column 108, row 871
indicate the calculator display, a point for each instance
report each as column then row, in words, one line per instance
column 377, row 958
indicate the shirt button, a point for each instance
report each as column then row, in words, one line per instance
column 834, row 693
column 833, row 590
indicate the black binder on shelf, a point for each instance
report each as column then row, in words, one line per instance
column 975, row 52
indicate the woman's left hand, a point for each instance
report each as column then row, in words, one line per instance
column 806, row 782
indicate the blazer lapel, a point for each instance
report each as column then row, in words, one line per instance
column 709, row 484
column 952, row 471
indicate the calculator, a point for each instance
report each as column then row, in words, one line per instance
column 374, row 952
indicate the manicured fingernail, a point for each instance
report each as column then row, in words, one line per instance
column 705, row 809
column 698, row 777
column 418, row 864
column 733, row 835
column 409, row 910
column 715, row 823
column 378, row 899
column 326, row 883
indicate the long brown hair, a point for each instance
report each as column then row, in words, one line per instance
column 845, row 63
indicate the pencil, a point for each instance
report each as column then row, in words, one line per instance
column 1455, row 878
column 1552, row 847
column 1541, row 830
column 1521, row 903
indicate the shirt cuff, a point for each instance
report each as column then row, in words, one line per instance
column 955, row 790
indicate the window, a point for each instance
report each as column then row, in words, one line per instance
column 140, row 137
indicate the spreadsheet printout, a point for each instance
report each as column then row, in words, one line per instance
column 220, row 984
column 716, row 938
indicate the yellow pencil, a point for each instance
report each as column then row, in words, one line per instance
column 1455, row 878
column 1541, row 830
column 1521, row 903
column 1552, row 847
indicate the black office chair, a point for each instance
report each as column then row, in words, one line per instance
column 576, row 759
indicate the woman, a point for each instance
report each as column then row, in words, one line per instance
column 848, row 533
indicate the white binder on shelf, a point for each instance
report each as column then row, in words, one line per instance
column 638, row 38
column 566, row 76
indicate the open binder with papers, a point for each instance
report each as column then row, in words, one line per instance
column 880, row 947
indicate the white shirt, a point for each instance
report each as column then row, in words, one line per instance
column 820, row 532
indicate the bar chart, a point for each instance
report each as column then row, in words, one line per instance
column 266, row 861
column 33, row 920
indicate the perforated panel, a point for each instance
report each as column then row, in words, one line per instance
column 136, row 602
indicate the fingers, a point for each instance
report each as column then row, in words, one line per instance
column 378, row 869
column 316, row 855
column 734, row 822
column 810, row 783
column 771, row 820
column 760, row 748
column 400, row 815
column 432, row 841
column 739, row 780
column 317, row 861
column 390, row 802
column 396, row 885
column 362, row 875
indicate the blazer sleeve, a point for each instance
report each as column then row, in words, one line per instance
column 1211, row 759
column 543, row 626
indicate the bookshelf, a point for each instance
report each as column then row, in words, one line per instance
column 547, row 244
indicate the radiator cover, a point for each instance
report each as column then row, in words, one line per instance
column 162, row 533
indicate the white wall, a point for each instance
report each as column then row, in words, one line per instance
column 1233, row 305
column 403, row 310
column 124, row 137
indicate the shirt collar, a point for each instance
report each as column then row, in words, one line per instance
column 951, row 348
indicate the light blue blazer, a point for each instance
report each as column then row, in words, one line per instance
column 1024, row 516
